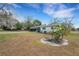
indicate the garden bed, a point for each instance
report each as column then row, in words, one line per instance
column 53, row 42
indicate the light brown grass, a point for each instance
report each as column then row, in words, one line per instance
column 28, row 44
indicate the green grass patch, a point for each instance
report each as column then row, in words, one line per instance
column 5, row 37
column 73, row 36
column 36, row 43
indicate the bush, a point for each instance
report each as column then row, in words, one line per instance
column 77, row 29
column 18, row 26
column 58, row 31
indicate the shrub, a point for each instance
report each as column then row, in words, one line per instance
column 18, row 26
column 58, row 31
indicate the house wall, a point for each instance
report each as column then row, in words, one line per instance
column 46, row 30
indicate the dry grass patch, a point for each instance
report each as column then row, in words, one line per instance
column 28, row 43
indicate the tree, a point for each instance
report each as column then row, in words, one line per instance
column 7, row 19
column 77, row 29
column 28, row 23
column 36, row 23
column 73, row 29
column 18, row 26
column 60, row 30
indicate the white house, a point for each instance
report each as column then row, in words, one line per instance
column 42, row 28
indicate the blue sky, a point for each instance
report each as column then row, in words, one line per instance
column 47, row 12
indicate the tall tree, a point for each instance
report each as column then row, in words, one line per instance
column 28, row 23
column 19, row 26
column 36, row 22
column 6, row 17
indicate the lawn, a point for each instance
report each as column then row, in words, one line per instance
column 28, row 44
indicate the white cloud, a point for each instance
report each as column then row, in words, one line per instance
column 49, row 9
column 15, row 5
column 20, row 18
column 62, row 6
column 58, row 10
column 64, row 13
column 34, row 5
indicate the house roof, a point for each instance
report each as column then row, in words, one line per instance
column 41, row 26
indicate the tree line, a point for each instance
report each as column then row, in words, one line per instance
column 8, row 21
column 27, row 24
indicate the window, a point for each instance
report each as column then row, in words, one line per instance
column 44, row 28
